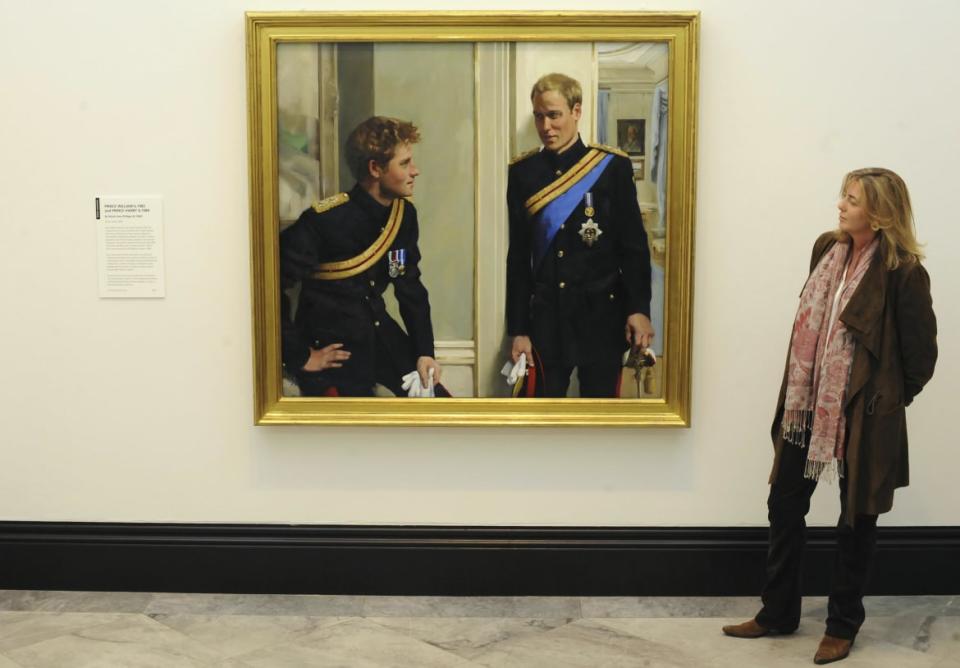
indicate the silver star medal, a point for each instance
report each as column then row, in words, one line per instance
column 589, row 231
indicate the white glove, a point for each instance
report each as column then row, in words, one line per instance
column 514, row 372
column 411, row 383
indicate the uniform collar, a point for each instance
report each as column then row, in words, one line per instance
column 567, row 159
column 370, row 206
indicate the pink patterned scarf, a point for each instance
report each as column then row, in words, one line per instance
column 819, row 366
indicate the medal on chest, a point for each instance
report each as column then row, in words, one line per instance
column 397, row 262
column 589, row 232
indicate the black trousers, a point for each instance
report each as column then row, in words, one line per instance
column 787, row 505
column 597, row 381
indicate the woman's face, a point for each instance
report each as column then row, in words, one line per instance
column 853, row 210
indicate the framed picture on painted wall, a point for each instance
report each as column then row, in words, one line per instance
column 394, row 178
column 631, row 135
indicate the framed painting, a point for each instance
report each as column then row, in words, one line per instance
column 400, row 235
column 631, row 135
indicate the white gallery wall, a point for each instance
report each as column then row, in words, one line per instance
column 142, row 410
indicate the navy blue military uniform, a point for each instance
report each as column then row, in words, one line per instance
column 574, row 305
column 351, row 310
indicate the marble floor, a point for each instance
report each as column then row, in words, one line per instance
column 64, row 629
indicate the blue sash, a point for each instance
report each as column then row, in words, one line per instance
column 551, row 217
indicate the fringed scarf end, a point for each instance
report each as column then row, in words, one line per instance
column 796, row 425
column 827, row 471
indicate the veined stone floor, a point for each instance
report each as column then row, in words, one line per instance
column 51, row 629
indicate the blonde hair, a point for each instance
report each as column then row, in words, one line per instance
column 568, row 87
column 377, row 139
column 887, row 203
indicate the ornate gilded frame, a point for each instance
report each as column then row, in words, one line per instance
column 264, row 31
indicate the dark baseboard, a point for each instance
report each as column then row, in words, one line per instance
column 455, row 561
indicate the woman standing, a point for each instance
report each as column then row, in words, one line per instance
column 864, row 344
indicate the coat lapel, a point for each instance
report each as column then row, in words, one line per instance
column 866, row 306
column 862, row 319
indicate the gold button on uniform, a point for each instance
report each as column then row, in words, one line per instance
column 559, row 172
column 372, row 283
column 376, row 323
column 563, row 227
column 611, row 296
column 559, row 253
column 562, row 285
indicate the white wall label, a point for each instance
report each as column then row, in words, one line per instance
column 130, row 246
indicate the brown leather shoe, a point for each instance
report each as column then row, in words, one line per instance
column 832, row 649
column 749, row 629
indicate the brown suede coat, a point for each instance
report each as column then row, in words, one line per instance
column 891, row 318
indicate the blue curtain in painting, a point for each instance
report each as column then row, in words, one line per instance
column 658, row 170
column 603, row 104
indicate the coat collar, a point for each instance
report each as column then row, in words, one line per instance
column 865, row 307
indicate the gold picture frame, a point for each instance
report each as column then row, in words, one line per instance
column 493, row 36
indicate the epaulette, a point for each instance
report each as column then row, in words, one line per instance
column 524, row 156
column 609, row 149
column 331, row 202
